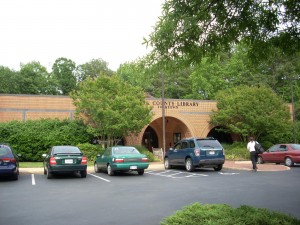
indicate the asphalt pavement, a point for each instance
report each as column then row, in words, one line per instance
column 229, row 164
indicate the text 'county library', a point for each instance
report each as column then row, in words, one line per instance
column 183, row 118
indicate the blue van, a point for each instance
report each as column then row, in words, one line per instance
column 196, row 152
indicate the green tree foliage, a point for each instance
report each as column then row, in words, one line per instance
column 93, row 69
column 253, row 111
column 9, row 81
column 34, row 137
column 112, row 108
column 63, row 73
column 192, row 29
column 34, row 79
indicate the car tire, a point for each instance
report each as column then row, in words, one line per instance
column 110, row 171
column 96, row 168
column 288, row 162
column 219, row 167
column 45, row 171
column 83, row 173
column 189, row 165
column 141, row 172
column 260, row 160
column 167, row 164
column 15, row 176
column 49, row 174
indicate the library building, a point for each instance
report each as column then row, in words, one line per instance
column 183, row 118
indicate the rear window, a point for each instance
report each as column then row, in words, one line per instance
column 295, row 147
column 5, row 152
column 66, row 150
column 125, row 150
column 209, row 143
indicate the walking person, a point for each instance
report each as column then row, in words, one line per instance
column 253, row 154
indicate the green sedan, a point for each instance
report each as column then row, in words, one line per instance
column 65, row 159
column 121, row 159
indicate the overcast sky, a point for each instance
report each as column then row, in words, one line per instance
column 80, row 30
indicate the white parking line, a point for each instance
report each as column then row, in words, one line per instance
column 99, row 177
column 172, row 174
column 32, row 179
column 227, row 173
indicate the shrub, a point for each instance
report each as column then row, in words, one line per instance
column 35, row 137
column 90, row 151
column 236, row 151
column 145, row 151
column 215, row 214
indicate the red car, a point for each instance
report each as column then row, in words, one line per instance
column 281, row 153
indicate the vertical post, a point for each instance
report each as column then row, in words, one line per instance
column 293, row 112
column 163, row 112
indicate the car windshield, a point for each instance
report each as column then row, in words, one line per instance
column 295, row 146
column 125, row 150
column 5, row 152
column 209, row 143
column 66, row 150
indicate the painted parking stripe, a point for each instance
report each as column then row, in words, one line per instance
column 32, row 179
column 172, row 174
column 101, row 178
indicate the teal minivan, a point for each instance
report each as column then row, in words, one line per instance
column 196, row 153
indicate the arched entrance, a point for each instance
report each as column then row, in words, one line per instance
column 220, row 135
column 150, row 139
column 175, row 130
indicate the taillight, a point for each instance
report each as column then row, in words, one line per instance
column 144, row 159
column 84, row 160
column 118, row 160
column 197, row 152
column 52, row 161
column 7, row 160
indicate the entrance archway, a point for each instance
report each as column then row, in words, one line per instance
column 150, row 139
column 220, row 135
column 175, row 130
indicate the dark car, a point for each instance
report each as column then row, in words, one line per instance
column 9, row 162
column 65, row 159
column 281, row 153
column 121, row 159
column 196, row 152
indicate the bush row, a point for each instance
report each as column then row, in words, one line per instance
column 215, row 214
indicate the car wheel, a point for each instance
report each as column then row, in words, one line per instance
column 218, row 168
column 167, row 164
column 141, row 172
column 288, row 162
column 189, row 165
column 96, row 168
column 15, row 177
column 110, row 171
column 49, row 174
column 260, row 160
column 83, row 174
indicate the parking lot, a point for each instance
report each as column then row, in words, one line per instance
column 132, row 199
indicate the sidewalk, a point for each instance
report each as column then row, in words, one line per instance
column 236, row 165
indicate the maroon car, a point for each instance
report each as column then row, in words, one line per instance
column 281, row 153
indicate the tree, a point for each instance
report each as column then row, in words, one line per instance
column 63, row 73
column 253, row 111
column 112, row 108
column 9, row 81
column 34, row 79
column 93, row 69
column 192, row 29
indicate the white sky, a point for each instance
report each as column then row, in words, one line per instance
column 80, row 30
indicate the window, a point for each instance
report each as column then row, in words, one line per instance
column 177, row 137
column 184, row 145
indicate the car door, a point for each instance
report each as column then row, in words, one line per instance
column 103, row 159
column 269, row 155
column 182, row 152
column 279, row 155
column 172, row 154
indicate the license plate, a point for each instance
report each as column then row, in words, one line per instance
column 133, row 167
column 211, row 152
column 68, row 161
